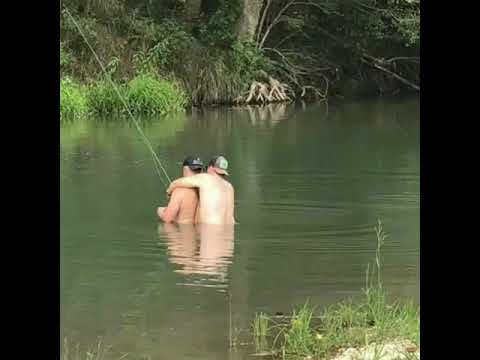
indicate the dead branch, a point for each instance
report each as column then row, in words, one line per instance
column 374, row 62
column 406, row 58
column 275, row 21
column 262, row 20
column 292, row 71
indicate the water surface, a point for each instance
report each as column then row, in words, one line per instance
column 311, row 182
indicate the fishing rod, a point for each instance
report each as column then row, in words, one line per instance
column 156, row 160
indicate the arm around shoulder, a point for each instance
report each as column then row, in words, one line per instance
column 194, row 181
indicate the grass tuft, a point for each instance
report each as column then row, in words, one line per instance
column 373, row 320
column 73, row 102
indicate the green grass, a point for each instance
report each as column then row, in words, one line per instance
column 346, row 324
column 102, row 99
column 145, row 94
column 260, row 325
column 73, row 102
column 299, row 339
column 98, row 352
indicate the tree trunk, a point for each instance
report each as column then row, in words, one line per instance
column 249, row 18
column 192, row 9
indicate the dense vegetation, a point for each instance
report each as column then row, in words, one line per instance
column 225, row 51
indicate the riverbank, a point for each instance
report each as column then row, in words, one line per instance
column 368, row 329
column 236, row 51
column 372, row 328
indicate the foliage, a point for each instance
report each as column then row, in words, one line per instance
column 323, row 40
column 66, row 58
column 171, row 46
column 146, row 94
column 103, row 99
column 72, row 99
column 219, row 30
column 247, row 60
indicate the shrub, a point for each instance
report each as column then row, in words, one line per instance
column 102, row 98
column 147, row 94
column 73, row 102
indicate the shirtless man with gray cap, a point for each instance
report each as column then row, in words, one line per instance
column 216, row 193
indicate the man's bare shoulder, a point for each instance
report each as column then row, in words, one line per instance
column 229, row 185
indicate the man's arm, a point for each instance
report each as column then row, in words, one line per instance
column 169, row 214
column 194, row 181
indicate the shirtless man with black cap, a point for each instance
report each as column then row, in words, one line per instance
column 216, row 193
column 183, row 202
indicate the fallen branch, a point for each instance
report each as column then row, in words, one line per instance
column 406, row 58
column 374, row 63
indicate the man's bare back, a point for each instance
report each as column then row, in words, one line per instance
column 181, row 208
column 183, row 203
column 217, row 201
column 216, row 197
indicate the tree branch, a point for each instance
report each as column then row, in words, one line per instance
column 274, row 22
column 407, row 58
column 262, row 20
column 396, row 76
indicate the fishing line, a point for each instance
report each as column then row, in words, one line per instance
column 156, row 160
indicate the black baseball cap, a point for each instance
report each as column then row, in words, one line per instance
column 193, row 163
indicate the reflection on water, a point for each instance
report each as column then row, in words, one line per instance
column 201, row 249
column 267, row 115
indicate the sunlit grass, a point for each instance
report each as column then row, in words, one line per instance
column 347, row 324
column 73, row 102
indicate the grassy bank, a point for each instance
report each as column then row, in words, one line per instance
column 145, row 94
column 370, row 325
column 298, row 50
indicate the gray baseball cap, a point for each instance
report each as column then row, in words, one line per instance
column 220, row 164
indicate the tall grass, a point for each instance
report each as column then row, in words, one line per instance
column 147, row 94
column 73, row 103
column 212, row 83
column 219, row 78
column 102, row 99
column 347, row 324
column 260, row 325
column 299, row 339
column 98, row 352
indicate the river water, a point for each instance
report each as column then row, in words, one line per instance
column 310, row 182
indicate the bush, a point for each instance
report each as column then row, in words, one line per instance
column 66, row 58
column 73, row 102
column 147, row 94
column 247, row 60
column 219, row 31
column 171, row 46
column 102, row 98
